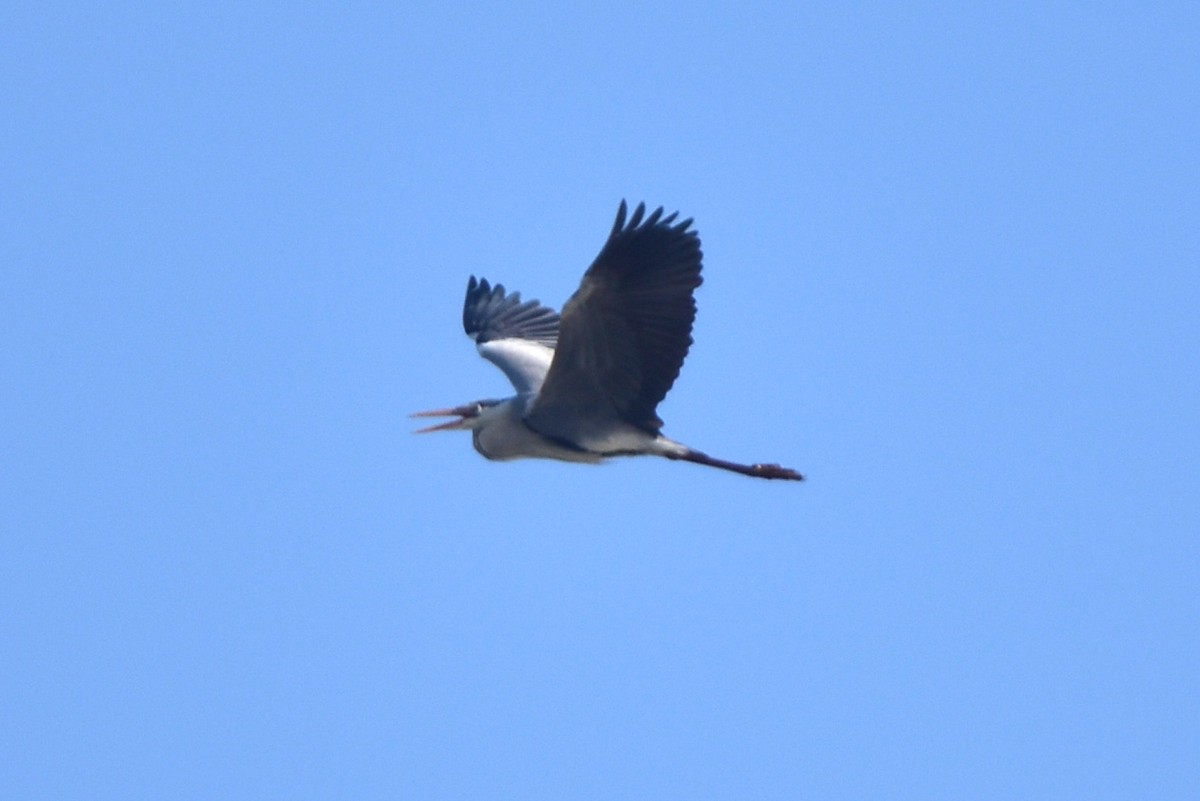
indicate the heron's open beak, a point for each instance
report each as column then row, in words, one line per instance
column 463, row 413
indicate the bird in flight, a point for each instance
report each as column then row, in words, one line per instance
column 588, row 381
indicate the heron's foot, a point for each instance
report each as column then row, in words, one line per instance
column 776, row 471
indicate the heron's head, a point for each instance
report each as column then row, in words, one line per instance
column 468, row 416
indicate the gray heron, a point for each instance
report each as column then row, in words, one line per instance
column 588, row 382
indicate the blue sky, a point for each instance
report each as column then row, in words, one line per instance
column 951, row 263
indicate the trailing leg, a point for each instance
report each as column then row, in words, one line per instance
column 755, row 470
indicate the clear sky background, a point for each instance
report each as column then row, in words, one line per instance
column 951, row 256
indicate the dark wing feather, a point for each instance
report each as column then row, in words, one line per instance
column 625, row 332
column 489, row 314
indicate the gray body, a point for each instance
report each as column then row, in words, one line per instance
column 503, row 434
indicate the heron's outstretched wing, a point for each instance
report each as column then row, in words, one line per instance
column 625, row 332
column 517, row 337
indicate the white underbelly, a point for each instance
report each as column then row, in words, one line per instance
column 510, row 443
column 506, row 436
